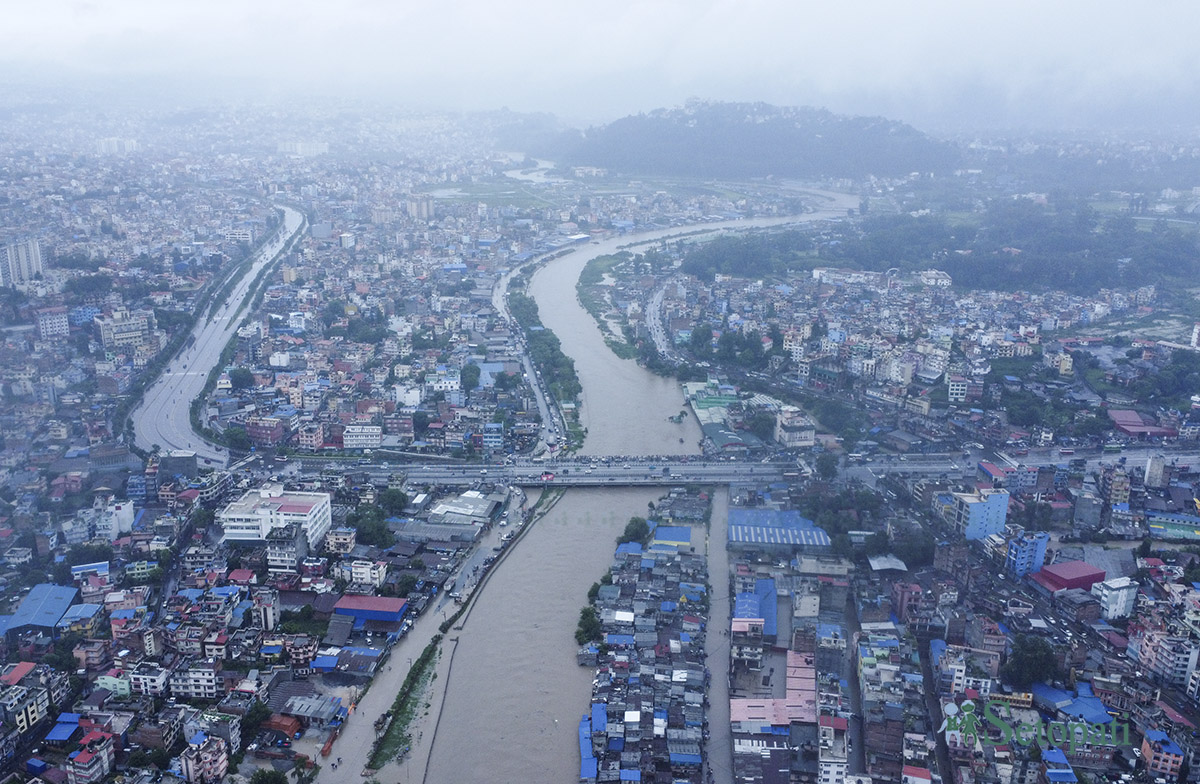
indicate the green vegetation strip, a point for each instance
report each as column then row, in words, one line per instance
column 591, row 292
column 396, row 738
column 558, row 370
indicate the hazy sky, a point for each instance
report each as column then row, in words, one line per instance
column 936, row 64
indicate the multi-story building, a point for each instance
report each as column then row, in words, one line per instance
column 53, row 323
column 258, row 512
column 94, row 761
column 286, row 547
column 956, row 389
column 1114, row 486
column 24, row 706
column 160, row 730
column 341, row 541
column 126, row 329
column 362, row 436
column 149, row 678
column 980, row 514
column 1156, row 472
column 212, row 722
column 794, row 430
column 205, row 760
column 1168, row 658
column 265, row 431
column 311, row 437
column 364, row 572
column 22, row 262
column 1162, row 756
column 1117, row 596
column 1026, row 553
column 197, row 680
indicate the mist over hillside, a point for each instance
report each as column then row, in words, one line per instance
column 743, row 140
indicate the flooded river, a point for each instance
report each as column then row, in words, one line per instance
column 515, row 694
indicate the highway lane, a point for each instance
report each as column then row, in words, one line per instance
column 958, row 467
column 577, row 473
column 164, row 418
column 552, row 419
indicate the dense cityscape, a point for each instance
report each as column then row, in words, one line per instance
column 308, row 420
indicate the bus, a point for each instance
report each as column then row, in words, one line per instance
column 855, row 457
column 1112, row 447
column 1065, row 451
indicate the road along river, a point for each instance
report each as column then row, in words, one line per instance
column 514, row 693
column 164, row 417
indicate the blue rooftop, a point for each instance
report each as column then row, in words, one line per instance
column 675, row 534
column 1164, row 742
column 44, row 606
column 599, row 717
column 61, row 733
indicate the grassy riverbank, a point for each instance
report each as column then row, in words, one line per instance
column 395, row 738
column 595, row 296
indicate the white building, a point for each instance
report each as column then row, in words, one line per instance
column 113, row 518
column 364, row 572
column 22, row 261
column 1156, row 468
column 149, row 678
column 1117, row 597
column 199, row 680
column 362, row 436
column 793, row 429
column 53, row 323
column 126, row 328
column 258, row 512
column 935, row 278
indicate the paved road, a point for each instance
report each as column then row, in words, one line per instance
column 716, row 644
column 553, row 425
column 635, row 471
column 957, row 466
column 654, row 320
column 164, row 417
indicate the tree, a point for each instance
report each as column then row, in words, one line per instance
column 1032, row 659
column 469, row 376
column 589, row 626
column 237, row 438
column 827, row 466
column 503, row 382
column 368, row 520
column 636, row 530
column 393, row 501
column 700, row 342
column 762, row 424
column 202, row 517
column 258, row 713
column 406, row 584
column 90, row 285
column 878, row 543
column 1143, row 550
column 241, row 378
column 268, row 776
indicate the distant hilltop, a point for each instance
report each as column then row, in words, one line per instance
column 708, row 139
